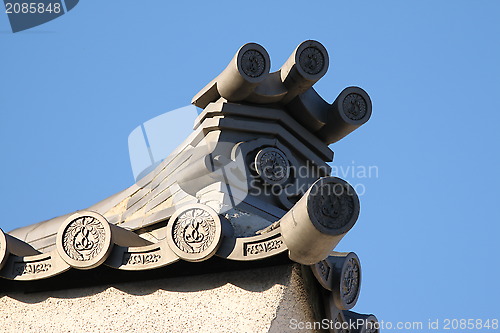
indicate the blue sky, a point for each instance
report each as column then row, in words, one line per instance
column 72, row 90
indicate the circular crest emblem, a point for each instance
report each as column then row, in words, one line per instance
column 354, row 106
column 272, row 165
column 312, row 60
column 253, row 63
column 333, row 205
column 84, row 240
column 351, row 276
column 346, row 289
column 194, row 232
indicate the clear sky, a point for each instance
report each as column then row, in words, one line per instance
column 73, row 89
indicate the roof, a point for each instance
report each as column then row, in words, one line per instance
column 250, row 183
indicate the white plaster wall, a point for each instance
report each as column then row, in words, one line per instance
column 243, row 301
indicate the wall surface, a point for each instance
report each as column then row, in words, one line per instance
column 260, row 300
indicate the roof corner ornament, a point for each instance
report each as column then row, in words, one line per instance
column 194, row 233
column 251, row 182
